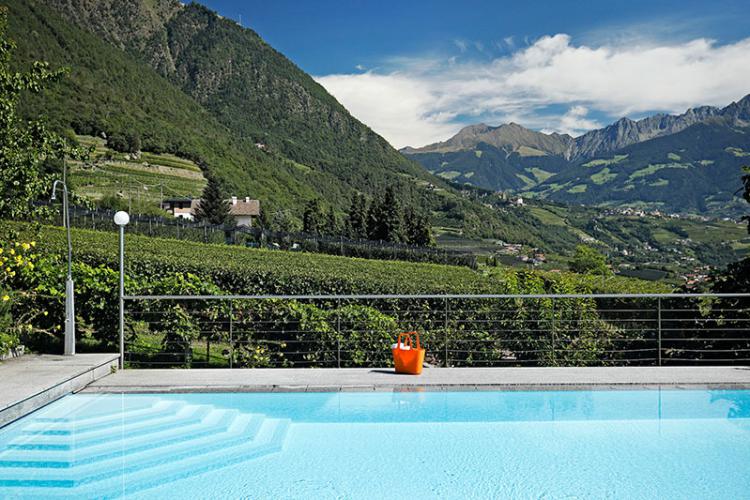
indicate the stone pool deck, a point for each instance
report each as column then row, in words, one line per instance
column 32, row 381
column 373, row 379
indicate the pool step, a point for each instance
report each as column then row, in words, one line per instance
column 194, row 439
column 57, row 427
column 189, row 414
column 216, row 421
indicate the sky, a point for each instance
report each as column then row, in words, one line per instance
column 418, row 71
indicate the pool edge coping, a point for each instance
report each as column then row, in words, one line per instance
column 73, row 383
column 260, row 388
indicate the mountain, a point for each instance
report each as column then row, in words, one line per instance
column 252, row 89
column 161, row 71
column 509, row 138
column 516, row 138
column 510, row 157
column 695, row 170
column 184, row 81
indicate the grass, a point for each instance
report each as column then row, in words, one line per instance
column 659, row 183
column 605, row 161
column 547, row 217
column 528, row 182
column 653, row 168
column 449, row 174
column 148, row 177
column 540, row 174
column 739, row 152
column 603, row 176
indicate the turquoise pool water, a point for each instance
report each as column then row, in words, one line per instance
column 582, row 444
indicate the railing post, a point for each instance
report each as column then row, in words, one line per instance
column 122, row 296
column 445, row 331
column 658, row 309
column 231, row 335
column 338, row 333
column 554, row 339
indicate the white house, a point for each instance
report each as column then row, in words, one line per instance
column 242, row 211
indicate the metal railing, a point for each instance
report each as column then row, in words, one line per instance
column 456, row 330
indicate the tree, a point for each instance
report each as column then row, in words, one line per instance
column 418, row 228
column 25, row 147
column 264, row 221
column 588, row 260
column 332, row 223
column 313, row 219
column 356, row 221
column 124, row 143
column 736, row 277
column 385, row 219
column 213, row 208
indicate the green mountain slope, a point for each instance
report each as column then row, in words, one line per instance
column 492, row 168
column 255, row 91
column 107, row 91
column 696, row 170
column 162, row 76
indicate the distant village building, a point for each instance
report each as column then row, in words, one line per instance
column 518, row 202
column 242, row 211
column 181, row 208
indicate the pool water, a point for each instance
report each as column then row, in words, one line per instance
column 542, row 444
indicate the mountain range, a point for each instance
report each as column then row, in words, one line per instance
column 183, row 80
column 686, row 162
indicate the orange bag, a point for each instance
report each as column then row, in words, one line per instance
column 408, row 360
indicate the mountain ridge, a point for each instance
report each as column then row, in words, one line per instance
column 612, row 137
column 680, row 163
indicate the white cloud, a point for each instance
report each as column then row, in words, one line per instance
column 573, row 122
column 420, row 101
column 396, row 106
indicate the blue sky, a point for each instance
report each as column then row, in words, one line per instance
column 416, row 71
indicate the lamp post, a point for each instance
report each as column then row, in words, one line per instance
column 70, row 317
column 122, row 219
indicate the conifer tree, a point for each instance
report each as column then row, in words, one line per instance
column 332, row 223
column 313, row 221
column 418, row 228
column 356, row 221
column 213, row 208
column 385, row 219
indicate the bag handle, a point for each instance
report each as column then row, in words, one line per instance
column 408, row 336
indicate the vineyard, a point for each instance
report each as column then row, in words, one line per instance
column 247, row 270
column 166, row 266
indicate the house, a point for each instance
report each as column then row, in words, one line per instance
column 242, row 211
column 181, row 208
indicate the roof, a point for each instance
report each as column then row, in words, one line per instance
column 244, row 207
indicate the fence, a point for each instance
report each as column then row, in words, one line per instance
column 456, row 330
column 100, row 219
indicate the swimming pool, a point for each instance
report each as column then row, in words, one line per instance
column 541, row 444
